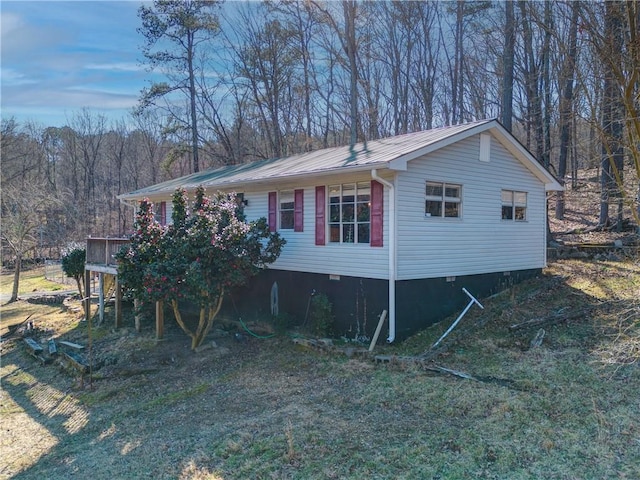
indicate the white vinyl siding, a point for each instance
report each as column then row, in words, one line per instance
column 477, row 242
column 480, row 241
column 301, row 254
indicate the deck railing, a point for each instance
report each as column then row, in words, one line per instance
column 102, row 251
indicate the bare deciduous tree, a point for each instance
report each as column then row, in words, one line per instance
column 185, row 25
column 24, row 214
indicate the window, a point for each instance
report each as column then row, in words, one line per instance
column 350, row 213
column 286, row 209
column 160, row 212
column 514, row 205
column 443, row 200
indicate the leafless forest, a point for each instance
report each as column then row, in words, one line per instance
column 248, row 81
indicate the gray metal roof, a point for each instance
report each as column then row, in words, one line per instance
column 363, row 156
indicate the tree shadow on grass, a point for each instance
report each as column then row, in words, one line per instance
column 271, row 410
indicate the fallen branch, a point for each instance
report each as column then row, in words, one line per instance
column 503, row 382
column 557, row 317
column 420, row 362
column 455, row 373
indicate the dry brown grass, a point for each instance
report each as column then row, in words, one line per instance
column 269, row 409
column 31, row 280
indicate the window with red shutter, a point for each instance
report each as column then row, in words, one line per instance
column 298, row 210
column 377, row 212
column 320, row 215
column 286, row 203
column 349, row 216
column 273, row 211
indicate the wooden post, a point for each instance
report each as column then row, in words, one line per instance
column 136, row 306
column 101, row 297
column 87, row 294
column 118, row 304
column 378, row 328
column 159, row 319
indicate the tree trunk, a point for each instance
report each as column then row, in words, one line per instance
column 81, row 292
column 16, row 279
column 508, row 60
column 205, row 320
column 207, row 316
column 546, row 82
column 531, row 76
column 457, row 87
column 566, row 103
column 612, row 116
column 349, row 7
column 192, row 105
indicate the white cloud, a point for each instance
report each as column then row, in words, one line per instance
column 11, row 23
column 13, row 77
column 116, row 66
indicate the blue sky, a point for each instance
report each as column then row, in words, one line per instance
column 60, row 57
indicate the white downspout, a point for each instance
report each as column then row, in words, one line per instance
column 392, row 253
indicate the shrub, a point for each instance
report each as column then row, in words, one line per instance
column 321, row 316
column 73, row 266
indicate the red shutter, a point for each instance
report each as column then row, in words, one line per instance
column 377, row 211
column 298, row 210
column 163, row 213
column 273, row 211
column 320, row 220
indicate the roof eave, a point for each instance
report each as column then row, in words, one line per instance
column 163, row 193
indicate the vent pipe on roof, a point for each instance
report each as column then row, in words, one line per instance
column 392, row 253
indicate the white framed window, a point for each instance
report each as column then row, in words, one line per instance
column 350, row 213
column 514, row 205
column 287, row 203
column 443, row 200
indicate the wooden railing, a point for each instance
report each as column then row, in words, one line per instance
column 102, row 251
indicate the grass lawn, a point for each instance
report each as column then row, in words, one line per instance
column 31, row 280
column 271, row 409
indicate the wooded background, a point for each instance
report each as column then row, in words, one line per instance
column 248, row 81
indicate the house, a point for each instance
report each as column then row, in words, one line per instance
column 399, row 224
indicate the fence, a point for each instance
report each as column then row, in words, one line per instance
column 53, row 272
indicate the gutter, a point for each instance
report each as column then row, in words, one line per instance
column 128, row 202
column 392, row 253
